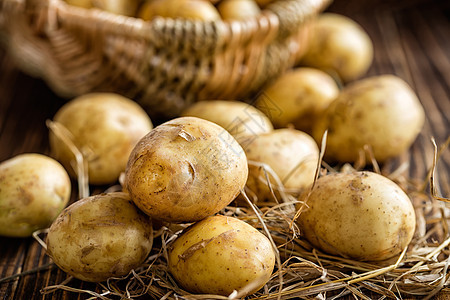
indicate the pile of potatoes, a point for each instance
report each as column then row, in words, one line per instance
column 188, row 169
column 203, row 10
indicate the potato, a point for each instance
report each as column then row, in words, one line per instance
column 34, row 188
column 219, row 255
column 121, row 7
column 340, row 46
column 290, row 153
column 240, row 119
column 187, row 9
column 380, row 111
column 238, row 9
column 301, row 96
column 105, row 127
column 100, row 237
column 185, row 170
column 360, row 215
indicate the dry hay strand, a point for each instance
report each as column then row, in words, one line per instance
column 302, row 272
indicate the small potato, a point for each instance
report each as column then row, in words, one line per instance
column 290, row 153
column 382, row 112
column 187, row 9
column 238, row 9
column 360, row 215
column 301, row 96
column 340, row 46
column 104, row 127
column 120, row 7
column 219, row 255
column 240, row 119
column 100, row 237
column 185, row 170
column 34, row 189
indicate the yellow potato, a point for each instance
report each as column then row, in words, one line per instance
column 240, row 119
column 185, row 170
column 301, row 96
column 104, row 127
column 219, row 255
column 290, row 153
column 381, row 111
column 187, row 9
column 340, row 46
column 34, row 189
column 238, row 9
column 360, row 215
column 121, row 7
column 99, row 237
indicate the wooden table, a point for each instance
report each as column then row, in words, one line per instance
column 412, row 40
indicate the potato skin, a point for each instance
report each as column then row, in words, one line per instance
column 238, row 9
column 219, row 255
column 292, row 155
column 105, row 127
column 361, row 215
column 99, row 237
column 340, row 46
column 380, row 111
column 186, row 9
column 240, row 119
column 185, row 170
column 34, row 189
column 301, row 96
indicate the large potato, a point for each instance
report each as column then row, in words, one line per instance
column 185, row 170
column 100, row 237
column 34, row 189
column 340, row 46
column 360, row 215
column 382, row 112
column 186, row 9
column 238, row 9
column 240, row 119
column 219, row 255
column 290, row 153
column 301, row 96
column 104, row 127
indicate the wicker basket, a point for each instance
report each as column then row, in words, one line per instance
column 164, row 64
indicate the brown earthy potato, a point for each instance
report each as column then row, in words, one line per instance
column 187, row 9
column 219, row 255
column 238, row 9
column 34, row 189
column 382, row 112
column 99, row 237
column 340, row 46
column 104, row 127
column 240, row 119
column 301, row 96
column 360, row 215
column 185, row 170
column 290, row 153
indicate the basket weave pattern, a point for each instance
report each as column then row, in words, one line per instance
column 164, row 64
